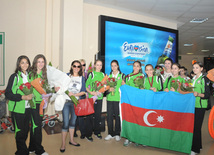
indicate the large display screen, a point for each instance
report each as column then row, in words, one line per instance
column 128, row 41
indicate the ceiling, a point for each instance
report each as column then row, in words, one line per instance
column 180, row 11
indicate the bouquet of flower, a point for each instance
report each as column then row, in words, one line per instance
column 73, row 98
column 2, row 95
column 112, row 83
column 97, row 85
column 186, row 86
column 139, row 82
column 175, row 84
column 38, row 84
column 158, row 71
column 27, row 89
column 90, row 69
column 210, row 75
column 48, row 89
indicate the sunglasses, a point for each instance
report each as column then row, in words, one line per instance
column 83, row 64
column 76, row 66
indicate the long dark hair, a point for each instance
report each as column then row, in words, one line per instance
column 198, row 63
column 18, row 68
column 149, row 65
column 71, row 70
column 141, row 70
column 97, row 61
column 176, row 64
column 115, row 61
column 34, row 67
column 168, row 59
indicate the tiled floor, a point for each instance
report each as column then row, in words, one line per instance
column 52, row 144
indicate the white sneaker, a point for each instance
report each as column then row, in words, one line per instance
column 126, row 143
column 109, row 137
column 31, row 151
column 45, row 153
column 193, row 153
column 117, row 138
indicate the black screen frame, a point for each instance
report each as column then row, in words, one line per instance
column 102, row 26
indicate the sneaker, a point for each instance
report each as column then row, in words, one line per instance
column 32, row 151
column 99, row 136
column 117, row 138
column 193, row 153
column 109, row 137
column 45, row 153
column 90, row 139
column 126, row 143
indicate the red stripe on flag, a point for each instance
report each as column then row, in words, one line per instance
column 158, row 118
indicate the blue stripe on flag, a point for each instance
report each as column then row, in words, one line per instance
column 151, row 100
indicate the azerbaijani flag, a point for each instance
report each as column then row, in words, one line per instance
column 162, row 119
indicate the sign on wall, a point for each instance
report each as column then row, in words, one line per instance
column 2, row 60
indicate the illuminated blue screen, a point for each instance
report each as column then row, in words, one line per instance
column 127, row 43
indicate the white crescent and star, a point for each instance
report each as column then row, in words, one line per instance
column 145, row 118
column 160, row 118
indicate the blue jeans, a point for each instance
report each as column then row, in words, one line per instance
column 68, row 122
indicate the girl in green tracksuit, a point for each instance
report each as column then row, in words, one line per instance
column 137, row 71
column 38, row 71
column 113, row 100
column 201, row 91
column 174, row 78
column 152, row 82
column 18, row 103
column 95, row 75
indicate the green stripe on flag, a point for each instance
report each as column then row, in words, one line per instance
column 157, row 137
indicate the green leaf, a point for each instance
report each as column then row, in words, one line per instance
column 50, row 64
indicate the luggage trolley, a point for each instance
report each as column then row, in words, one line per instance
column 5, row 121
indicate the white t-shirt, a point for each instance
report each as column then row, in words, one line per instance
column 75, row 84
column 186, row 78
column 25, row 80
column 194, row 79
column 166, row 75
column 115, row 76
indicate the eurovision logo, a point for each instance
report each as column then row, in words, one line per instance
column 135, row 49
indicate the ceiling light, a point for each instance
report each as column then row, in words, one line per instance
column 205, row 50
column 188, row 45
column 190, row 53
column 198, row 20
column 210, row 37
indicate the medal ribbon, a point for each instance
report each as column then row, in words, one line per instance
column 151, row 83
